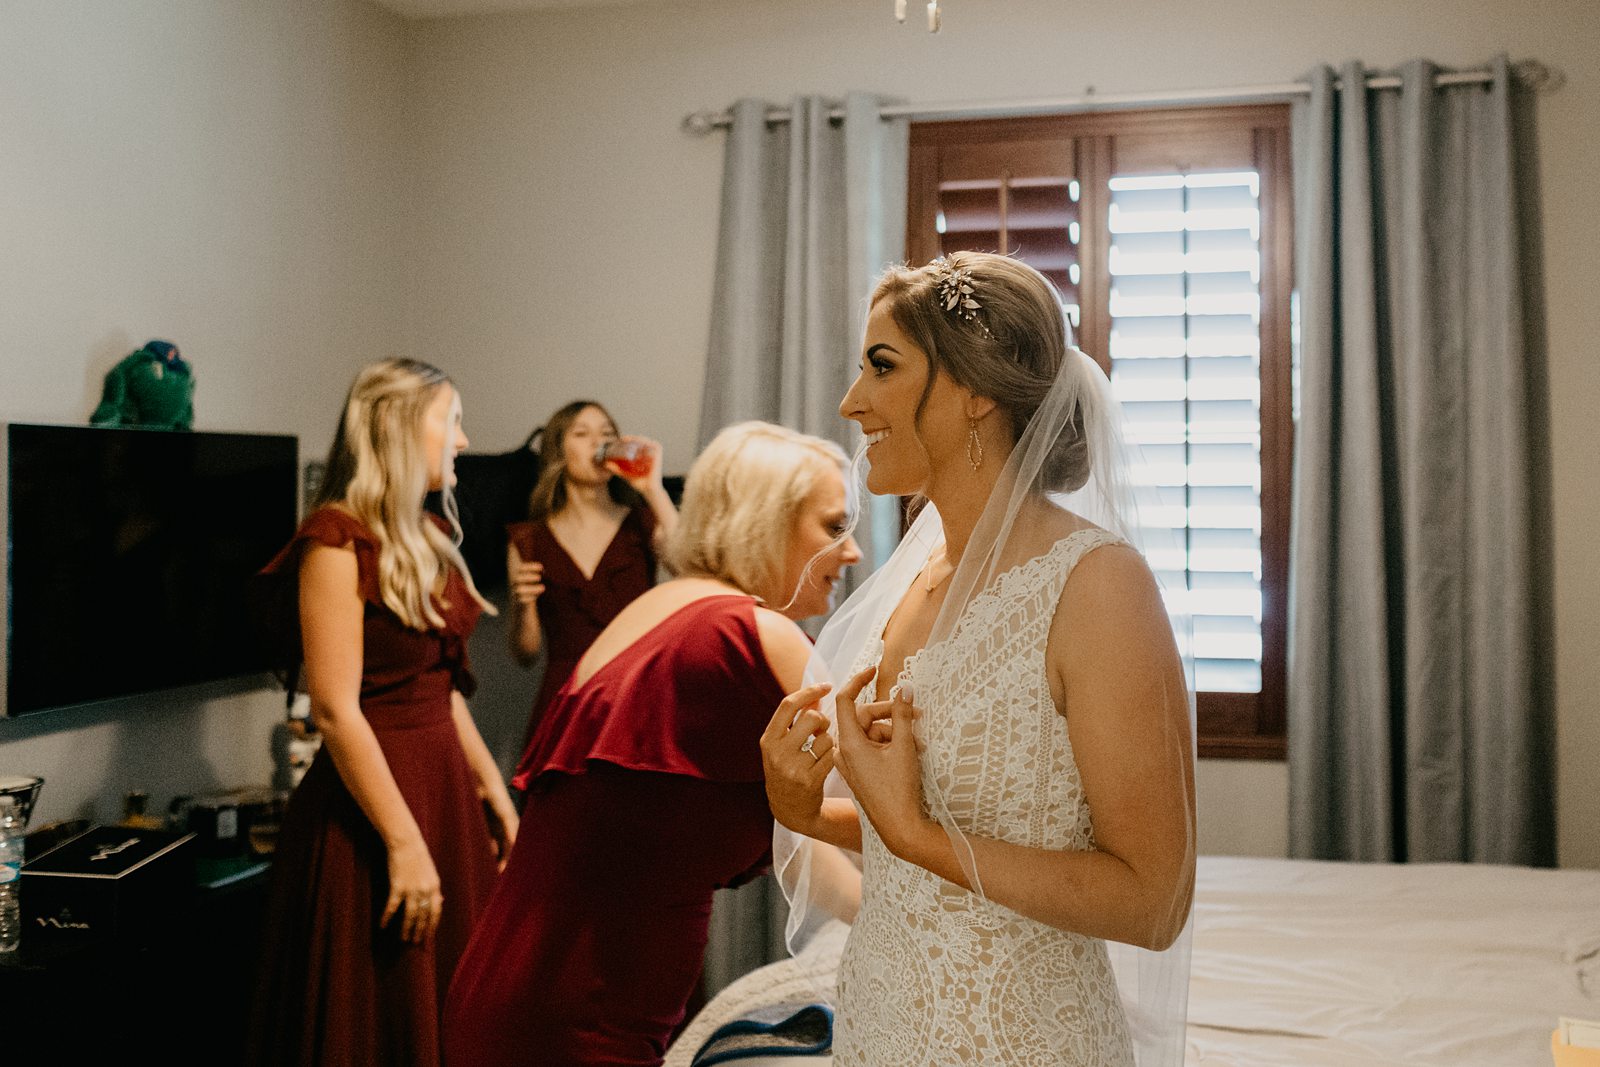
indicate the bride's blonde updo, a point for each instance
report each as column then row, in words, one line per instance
column 1009, row 347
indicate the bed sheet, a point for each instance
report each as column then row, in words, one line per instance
column 1315, row 964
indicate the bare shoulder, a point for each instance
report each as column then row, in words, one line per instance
column 1109, row 575
column 785, row 646
column 329, row 585
column 328, row 564
column 1111, row 611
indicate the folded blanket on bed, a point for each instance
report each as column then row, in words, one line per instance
column 807, row 1032
column 768, row 994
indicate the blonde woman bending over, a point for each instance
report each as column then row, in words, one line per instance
column 643, row 779
column 386, row 857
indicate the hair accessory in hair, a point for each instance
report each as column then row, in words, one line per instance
column 957, row 292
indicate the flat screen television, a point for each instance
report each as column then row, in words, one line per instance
column 128, row 558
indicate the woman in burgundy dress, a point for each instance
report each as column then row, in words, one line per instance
column 590, row 544
column 644, row 778
column 385, row 858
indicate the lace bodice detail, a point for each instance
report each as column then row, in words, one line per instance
column 932, row 973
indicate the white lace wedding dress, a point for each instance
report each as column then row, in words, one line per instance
column 934, row 974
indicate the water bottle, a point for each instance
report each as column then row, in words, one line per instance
column 10, row 874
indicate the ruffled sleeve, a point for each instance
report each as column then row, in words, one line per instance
column 400, row 665
column 334, row 528
column 275, row 592
column 691, row 696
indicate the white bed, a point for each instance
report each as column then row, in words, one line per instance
column 1305, row 964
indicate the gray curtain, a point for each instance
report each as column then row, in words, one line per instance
column 812, row 210
column 1420, row 705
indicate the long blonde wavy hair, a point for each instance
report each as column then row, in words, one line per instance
column 378, row 470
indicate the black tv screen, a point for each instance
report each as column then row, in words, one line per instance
column 129, row 553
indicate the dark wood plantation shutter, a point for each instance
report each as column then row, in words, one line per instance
column 1168, row 236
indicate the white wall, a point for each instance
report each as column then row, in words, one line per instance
column 238, row 177
column 228, row 176
column 566, row 226
column 1243, row 808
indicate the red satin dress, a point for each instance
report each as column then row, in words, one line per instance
column 644, row 794
column 336, row 989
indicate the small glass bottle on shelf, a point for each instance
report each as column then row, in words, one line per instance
column 134, row 815
column 11, row 846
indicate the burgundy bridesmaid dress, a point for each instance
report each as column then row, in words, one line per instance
column 334, row 987
column 644, row 794
column 575, row 607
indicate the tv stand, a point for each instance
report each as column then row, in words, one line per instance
column 182, row 998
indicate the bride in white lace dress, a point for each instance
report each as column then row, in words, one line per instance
column 1011, row 765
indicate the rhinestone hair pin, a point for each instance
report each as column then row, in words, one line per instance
column 957, row 292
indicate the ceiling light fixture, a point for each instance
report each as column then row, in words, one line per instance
column 933, row 14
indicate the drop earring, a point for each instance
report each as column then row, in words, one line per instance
column 974, row 445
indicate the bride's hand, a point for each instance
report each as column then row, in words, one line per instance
column 796, row 755
column 877, row 719
column 885, row 776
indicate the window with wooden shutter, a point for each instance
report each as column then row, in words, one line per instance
column 1168, row 235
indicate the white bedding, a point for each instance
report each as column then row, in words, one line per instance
column 1304, row 964
column 1341, row 963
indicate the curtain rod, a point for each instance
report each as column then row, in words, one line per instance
column 1530, row 72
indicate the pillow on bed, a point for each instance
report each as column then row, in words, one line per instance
column 769, row 994
column 808, row 1032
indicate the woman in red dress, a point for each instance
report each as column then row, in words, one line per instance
column 589, row 546
column 385, row 858
column 644, row 779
